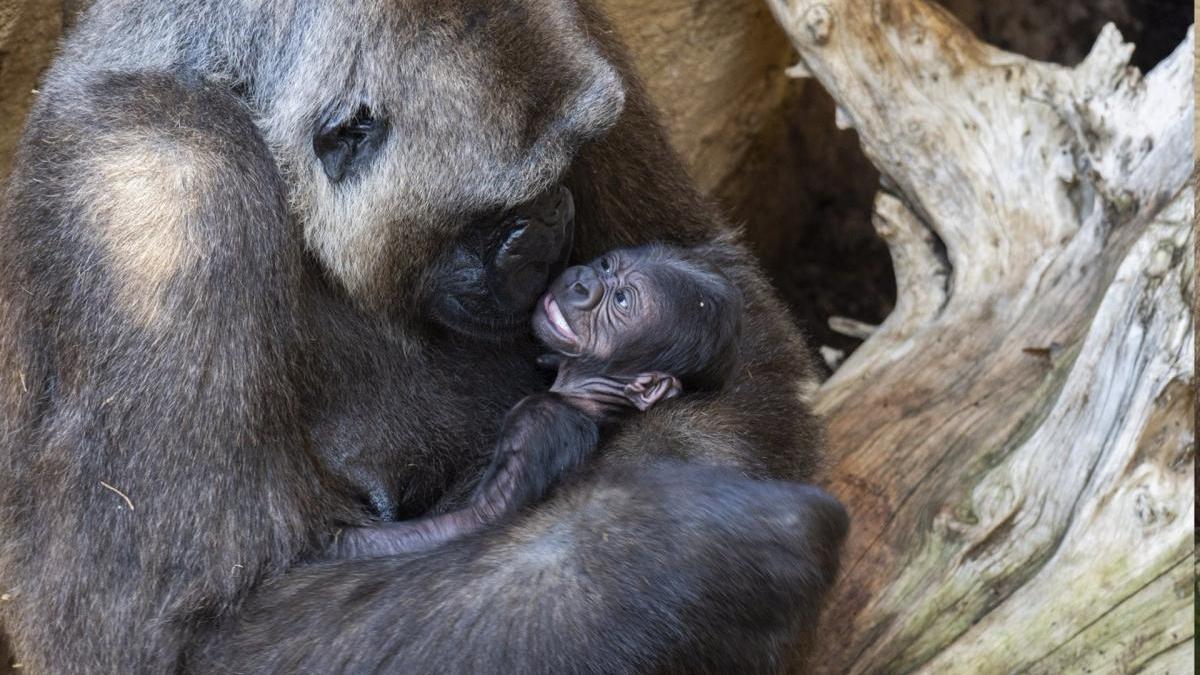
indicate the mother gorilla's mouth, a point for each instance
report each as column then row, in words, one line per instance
column 488, row 286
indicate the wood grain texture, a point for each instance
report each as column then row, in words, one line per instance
column 28, row 31
column 714, row 69
column 1016, row 441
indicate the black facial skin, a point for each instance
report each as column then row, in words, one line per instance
column 591, row 310
column 487, row 284
column 620, row 327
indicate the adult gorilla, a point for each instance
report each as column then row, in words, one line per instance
column 265, row 270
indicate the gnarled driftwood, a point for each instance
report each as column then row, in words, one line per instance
column 1016, row 441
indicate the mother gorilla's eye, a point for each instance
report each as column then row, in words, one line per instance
column 622, row 299
column 345, row 145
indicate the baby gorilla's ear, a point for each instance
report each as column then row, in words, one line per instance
column 650, row 388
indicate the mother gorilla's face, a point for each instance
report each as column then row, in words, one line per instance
column 424, row 160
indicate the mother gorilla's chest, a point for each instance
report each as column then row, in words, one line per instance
column 400, row 427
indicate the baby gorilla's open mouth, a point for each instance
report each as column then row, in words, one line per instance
column 551, row 326
column 557, row 321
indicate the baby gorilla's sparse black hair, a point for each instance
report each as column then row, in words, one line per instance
column 696, row 339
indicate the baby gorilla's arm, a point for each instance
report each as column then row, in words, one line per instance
column 543, row 438
column 403, row 537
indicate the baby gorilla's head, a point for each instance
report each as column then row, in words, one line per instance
column 654, row 318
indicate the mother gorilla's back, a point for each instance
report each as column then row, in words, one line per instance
column 249, row 274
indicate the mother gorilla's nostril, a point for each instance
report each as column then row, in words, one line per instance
column 534, row 250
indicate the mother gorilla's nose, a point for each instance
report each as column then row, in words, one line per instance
column 534, row 250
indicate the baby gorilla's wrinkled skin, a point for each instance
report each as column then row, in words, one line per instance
column 632, row 328
column 638, row 325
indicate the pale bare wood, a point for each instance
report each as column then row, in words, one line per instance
column 1016, row 441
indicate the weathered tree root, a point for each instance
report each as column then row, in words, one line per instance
column 1016, row 441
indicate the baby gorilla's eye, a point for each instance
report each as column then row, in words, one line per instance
column 604, row 264
column 622, row 299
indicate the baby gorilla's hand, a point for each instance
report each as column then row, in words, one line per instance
column 604, row 397
column 648, row 389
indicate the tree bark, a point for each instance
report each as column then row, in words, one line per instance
column 28, row 30
column 1016, row 442
column 714, row 69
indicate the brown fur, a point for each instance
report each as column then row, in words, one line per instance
column 144, row 196
column 192, row 315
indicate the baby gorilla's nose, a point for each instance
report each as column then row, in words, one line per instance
column 583, row 288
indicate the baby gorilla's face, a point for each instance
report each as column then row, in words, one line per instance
column 635, row 324
column 595, row 310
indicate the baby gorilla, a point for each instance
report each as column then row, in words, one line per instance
column 629, row 329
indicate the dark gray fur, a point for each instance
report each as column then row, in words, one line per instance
column 193, row 318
